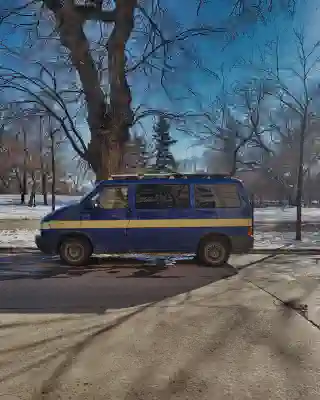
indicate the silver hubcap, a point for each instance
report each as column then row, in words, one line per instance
column 214, row 252
column 74, row 251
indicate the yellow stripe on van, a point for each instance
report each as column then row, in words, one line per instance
column 188, row 223
column 148, row 223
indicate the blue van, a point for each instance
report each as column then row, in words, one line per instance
column 206, row 215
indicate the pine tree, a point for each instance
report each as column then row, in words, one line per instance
column 137, row 156
column 144, row 152
column 163, row 142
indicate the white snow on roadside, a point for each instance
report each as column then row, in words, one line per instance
column 277, row 239
column 10, row 207
column 17, row 238
column 23, row 212
column 277, row 214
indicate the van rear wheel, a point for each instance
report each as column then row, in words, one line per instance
column 75, row 251
column 214, row 252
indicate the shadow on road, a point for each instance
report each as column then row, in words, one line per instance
column 17, row 267
column 35, row 284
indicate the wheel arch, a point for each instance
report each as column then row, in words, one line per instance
column 75, row 235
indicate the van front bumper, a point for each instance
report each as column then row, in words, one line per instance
column 242, row 244
column 43, row 245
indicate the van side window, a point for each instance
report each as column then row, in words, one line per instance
column 157, row 196
column 111, row 198
column 217, row 196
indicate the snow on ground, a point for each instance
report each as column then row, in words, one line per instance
column 270, row 240
column 266, row 240
column 17, row 238
column 10, row 207
column 277, row 214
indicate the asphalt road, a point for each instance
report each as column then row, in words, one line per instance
column 231, row 340
column 32, row 283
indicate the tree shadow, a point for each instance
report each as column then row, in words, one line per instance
column 45, row 267
column 119, row 283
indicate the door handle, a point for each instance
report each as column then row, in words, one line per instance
column 115, row 216
column 85, row 216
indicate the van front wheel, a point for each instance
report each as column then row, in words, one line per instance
column 75, row 251
column 214, row 252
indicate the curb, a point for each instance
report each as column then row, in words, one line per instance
column 286, row 250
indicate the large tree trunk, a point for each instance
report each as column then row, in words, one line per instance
column 110, row 122
column 107, row 146
column 106, row 152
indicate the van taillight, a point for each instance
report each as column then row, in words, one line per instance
column 250, row 231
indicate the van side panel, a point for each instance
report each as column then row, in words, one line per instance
column 178, row 240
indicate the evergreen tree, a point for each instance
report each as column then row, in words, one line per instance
column 144, row 152
column 163, row 142
column 136, row 154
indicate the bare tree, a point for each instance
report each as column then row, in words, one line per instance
column 29, row 151
column 104, row 73
column 299, row 101
column 52, row 135
column 237, row 127
column 43, row 165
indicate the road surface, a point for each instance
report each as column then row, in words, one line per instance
column 35, row 283
column 230, row 340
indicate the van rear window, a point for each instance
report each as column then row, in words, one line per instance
column 156, row 196
column 217, row 196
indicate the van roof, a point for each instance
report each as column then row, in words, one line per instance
column 178, row 177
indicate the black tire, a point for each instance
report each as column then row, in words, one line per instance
column 80, row 246
column 214, row 252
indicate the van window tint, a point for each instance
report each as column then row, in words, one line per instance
column 150, row 197
column 111, row 198
column 217, row 196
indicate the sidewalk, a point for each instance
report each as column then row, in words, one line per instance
column 229, row 340
column 291, row 278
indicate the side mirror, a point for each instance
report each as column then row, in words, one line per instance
column 88, row 205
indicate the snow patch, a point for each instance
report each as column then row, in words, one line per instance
column 18, row 238
column 10, row 207
column 288, row 214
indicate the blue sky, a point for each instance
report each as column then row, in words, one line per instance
column 211, row 52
